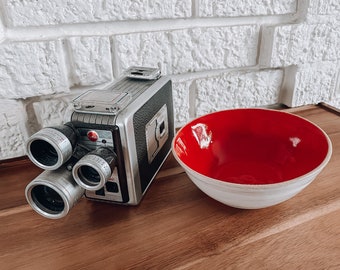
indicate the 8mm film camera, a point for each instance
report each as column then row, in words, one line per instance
column 112, row 148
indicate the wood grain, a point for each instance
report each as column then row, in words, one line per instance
column 176, row 226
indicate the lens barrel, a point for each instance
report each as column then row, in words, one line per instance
column 53, row 193
column 94, row 169
column 51, row 147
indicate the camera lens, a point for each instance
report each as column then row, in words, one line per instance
column 49, row 148
column 53, row 193
column 47, row 199
column 93, row 170
column 44, row 152
column 89, row 174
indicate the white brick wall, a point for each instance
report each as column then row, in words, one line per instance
column 30, row 69
column 2, row 34
column 90, row 60
column 190, row 50
column 311, row 83
column 238, row 90
column 12, row 126
column 300, row 43
column 53, row 112
column 220, row 54
column 222, row 8
column 49, row 12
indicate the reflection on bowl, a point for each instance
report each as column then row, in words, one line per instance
column 251, row 158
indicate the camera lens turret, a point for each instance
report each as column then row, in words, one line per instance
column 53, row 193
column 94, row 169
column 51, row 147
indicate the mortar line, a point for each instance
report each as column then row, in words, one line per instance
column 33, row 33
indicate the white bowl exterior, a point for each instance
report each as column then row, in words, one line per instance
column 250, row 196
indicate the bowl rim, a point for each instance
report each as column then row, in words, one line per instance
column 315, row 171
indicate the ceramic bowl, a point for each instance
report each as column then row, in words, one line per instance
column 251, row 158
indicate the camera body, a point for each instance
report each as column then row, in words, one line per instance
column 112, row 148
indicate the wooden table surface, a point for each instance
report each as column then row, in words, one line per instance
column 177, row 226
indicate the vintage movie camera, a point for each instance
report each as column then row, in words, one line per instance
column 110, row 151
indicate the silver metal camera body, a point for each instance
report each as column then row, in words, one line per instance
column 115, row 143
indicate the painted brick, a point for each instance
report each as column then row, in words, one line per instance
column 286, row 45
column 214, row 48
column 91, row 61
column 324, row 7
column 12, row 129
column 231, row 8
column 311, row 84
column 30, row 69
column 48, row 12
column 143, row 49
column 54, row 112
column 180, row 92
column 323, row 11
column 238, row 89
column 2, row 32
column 190, row 50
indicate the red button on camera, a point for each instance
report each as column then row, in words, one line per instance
column 92, row 135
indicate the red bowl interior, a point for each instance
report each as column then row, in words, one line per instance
column 251, row 146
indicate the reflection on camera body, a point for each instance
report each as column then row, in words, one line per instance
column 112, row 148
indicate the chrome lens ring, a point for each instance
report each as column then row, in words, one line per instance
column 49, row 148
column 91, row 172
column 53, row 193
